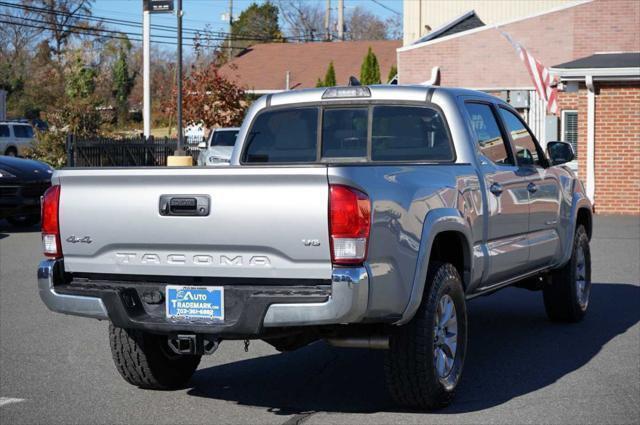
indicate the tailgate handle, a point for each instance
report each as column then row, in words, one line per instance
column 184, row 205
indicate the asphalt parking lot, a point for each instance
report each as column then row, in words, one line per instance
column 520, row 367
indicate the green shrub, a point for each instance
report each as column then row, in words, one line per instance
column 49, row 147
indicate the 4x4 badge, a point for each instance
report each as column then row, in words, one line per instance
column 75, row 239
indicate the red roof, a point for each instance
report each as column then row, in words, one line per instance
column 265, row 66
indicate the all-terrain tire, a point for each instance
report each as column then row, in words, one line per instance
column 410, row 362
column 566, row 296
column 146, row 361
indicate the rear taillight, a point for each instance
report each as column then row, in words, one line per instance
column 50, row 223
column 349, row 224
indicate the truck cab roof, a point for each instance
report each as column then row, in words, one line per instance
column 416, row 93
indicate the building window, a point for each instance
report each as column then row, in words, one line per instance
column 570, row 129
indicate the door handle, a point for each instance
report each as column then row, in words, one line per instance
column 184, row 205
column 496, row 189
column 532, row 188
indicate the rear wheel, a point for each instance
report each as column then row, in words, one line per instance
column 424, row 362
column 146, row 361
column 566, row 298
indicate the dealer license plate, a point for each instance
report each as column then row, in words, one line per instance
column 195, row 303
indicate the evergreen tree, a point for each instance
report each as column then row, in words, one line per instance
column 330, row 76
column 81, row 82
column 370, row 69
column 122, row 85
column 256, row 24
column 392, row 73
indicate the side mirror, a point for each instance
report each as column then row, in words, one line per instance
column 202, row 145
column 560, row 152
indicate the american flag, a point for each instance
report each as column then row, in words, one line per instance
column 542, row 79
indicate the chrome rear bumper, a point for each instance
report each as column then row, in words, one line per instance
column 67, row 304
column 347, row 303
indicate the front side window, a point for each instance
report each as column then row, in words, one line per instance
column 224, row 138
column 283, row 136
column 23, row 131
column 523, row 141
column 488, row 136
column 344, row 132
column 4, row 131
column 409, row 133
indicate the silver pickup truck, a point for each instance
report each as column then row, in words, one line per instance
column 363, row 216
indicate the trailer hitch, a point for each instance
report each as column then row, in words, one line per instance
column 193, row 344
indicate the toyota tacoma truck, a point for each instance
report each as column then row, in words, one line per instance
column 365, row 216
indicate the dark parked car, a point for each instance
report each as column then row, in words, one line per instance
column 22, row 182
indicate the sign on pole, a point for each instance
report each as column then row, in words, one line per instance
column 158, row 6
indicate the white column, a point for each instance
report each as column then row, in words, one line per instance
column 341, row 20
column 591, row 137
column 146, row 73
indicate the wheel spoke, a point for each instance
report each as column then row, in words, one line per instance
column 448, row 310
column 441, row 360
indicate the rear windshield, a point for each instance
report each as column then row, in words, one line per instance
column 375, row 133
column 288, row 135
column 224, row 138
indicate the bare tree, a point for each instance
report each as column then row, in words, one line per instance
column 62, row 19
column 17, row 35
column 304, row 20
column 394, row 27
column 364, row 25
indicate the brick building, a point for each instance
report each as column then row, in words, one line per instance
column 600, row 108
column 481, row 58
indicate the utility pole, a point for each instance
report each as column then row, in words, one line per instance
column 327, row 22
column 146, row 72
column 230, row 48
column 341, row 20
column 179, row 150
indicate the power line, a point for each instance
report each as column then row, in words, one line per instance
column 92, row 33
column 384, row 6
column 165, row 28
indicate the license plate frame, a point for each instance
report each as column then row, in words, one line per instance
column 194, row 303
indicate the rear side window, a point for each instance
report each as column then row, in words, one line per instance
column 406, row 133
column 4, row 131
column 282, row 136
column 224, row 138
column 23, row 131
column 488, row 135
column 344, row 132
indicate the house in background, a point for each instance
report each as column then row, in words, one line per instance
column 275, row 67
column 600, row 107
column 482, row 58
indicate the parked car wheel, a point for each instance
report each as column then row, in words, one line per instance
column 24, row 220
column 424, row 362
column 566, row 297
column 11, row 152
column 146, row 361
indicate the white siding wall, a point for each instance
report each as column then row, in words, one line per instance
column 435, row 13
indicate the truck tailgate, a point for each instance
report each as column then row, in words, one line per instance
column 262, row 223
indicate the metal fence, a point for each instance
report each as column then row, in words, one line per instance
column 131, row 152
